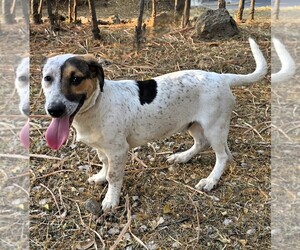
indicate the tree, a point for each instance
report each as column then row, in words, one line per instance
column 25, row 11
column 252, row 9
column 221, row 4
column 154, row 12
column 52, row 18
column 276, row 9
column 36, row 11
column 186, row 13
column 95, row 28
column 179, row 7
column 240, row 10
column 138, row 28
column 72, row 10
column 8, row 11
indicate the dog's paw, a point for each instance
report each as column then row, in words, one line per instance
column 206, row 184
column 109, row 202
column 177, row 158
column 99, row 178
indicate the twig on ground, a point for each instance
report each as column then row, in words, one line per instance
column 126, row 227
column 53, row 196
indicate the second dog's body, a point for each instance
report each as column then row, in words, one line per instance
column 114, row 116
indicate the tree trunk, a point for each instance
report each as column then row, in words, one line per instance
column 276, row 9
column 154, row 12
column 138, row 28
column 75, row 11
column 240, row 10
column 252, row 9
column 221, row 4
column 13, row 9
column 25, row 11
column 179, row 7
column 36, row 11
column 6, row 11
column 95, row 28
column 52, row 18
column 70, row 14
column 186, row 13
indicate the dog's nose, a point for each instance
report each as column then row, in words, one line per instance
column 25, row 111
column 56, row 110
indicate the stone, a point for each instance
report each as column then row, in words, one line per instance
column 215, row 24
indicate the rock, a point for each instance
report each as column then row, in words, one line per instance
column 113, row 231
column 226, row 222
column 216, row 24
column 93, row 206
column 251, row 231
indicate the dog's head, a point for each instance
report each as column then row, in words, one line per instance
column 69, row 81
column 22, row 85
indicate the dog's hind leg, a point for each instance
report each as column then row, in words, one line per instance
column 200, row 143
column 217, row 136
column 100, row 177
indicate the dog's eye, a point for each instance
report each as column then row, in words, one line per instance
column 75, row 80
column 48, row 78
column 22, row 78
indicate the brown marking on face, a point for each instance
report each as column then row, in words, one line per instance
column 80, row 76
column 87, row 87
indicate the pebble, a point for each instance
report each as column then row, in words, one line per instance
column 176, row 245
column 135, row 198
column 251, row 231
column 244, row 165
column 152, row 245
column 93, row 206
column 113, row 231
column 226, row 222
column 143, row 228
column 43, row 201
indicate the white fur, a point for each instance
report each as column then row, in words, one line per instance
column 288, row 66
column 22, row 85
column 115, row 121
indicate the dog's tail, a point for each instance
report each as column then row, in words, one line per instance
column 288, row 66
column 257, row 75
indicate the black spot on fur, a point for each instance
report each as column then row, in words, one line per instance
column 147, row 91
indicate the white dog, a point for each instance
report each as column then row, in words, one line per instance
column 22, row 86
column 114, row 116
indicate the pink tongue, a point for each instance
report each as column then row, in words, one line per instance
column 58, row 132
column 24, row 135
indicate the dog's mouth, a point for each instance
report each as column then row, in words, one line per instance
column 59, row 128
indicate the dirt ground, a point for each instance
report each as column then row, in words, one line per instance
column 159, row 208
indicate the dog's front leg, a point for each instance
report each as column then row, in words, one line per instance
column 115, row 173
column 100, row 177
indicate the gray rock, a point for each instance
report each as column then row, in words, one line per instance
column 215, row 24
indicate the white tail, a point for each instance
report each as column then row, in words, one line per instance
column 288, row 66
column 257, row 75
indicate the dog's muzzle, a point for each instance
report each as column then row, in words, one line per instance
column 57, row 109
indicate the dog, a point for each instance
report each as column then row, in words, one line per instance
column 22, row 86
column 114, row 116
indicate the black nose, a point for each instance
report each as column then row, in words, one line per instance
column 56, row 110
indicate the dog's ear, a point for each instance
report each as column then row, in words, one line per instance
column 43, row 62
column 95, row 69
column 17, row 60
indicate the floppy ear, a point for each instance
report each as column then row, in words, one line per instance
column 43, row 62
column 95, row 69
